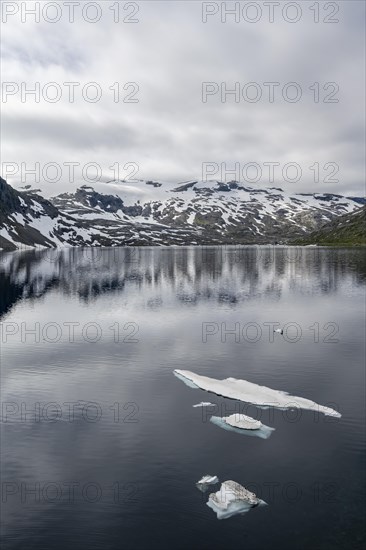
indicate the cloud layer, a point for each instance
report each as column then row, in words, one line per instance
column 161, row 122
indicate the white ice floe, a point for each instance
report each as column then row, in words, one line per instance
column 263, row 432
column 243, row 422
column 208, row 480
column 204, row 404
column 231, row 499
column 204, row 483
column 242, row 390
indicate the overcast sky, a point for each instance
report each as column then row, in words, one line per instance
column 170, row 132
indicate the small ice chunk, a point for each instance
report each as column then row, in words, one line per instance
column 204, row 404
column 231, row 499
column 211, row 480
column 243, row 422
column 204, row 483
column 263, row 432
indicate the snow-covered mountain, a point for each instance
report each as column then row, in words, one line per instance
column 205, row 212
column 155, row 213
column 29, row 220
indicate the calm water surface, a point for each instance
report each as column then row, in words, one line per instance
column 101, row 446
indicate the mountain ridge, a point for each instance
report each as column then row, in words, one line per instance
column 154, row 213
column 349, row 229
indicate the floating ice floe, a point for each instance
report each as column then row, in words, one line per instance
column 204, row 404
column 231, row 499
column 242, row 390
column 238, row 427
column 243, row 422
column 210, row 480
column 204, row 483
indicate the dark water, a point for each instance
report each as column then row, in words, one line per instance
column 101, row 447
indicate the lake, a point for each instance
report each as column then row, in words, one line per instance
column 101, row 445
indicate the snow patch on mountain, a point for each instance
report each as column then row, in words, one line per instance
column 162, row 213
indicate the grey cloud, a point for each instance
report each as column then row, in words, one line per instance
column 170, row 132
column 79, row 134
